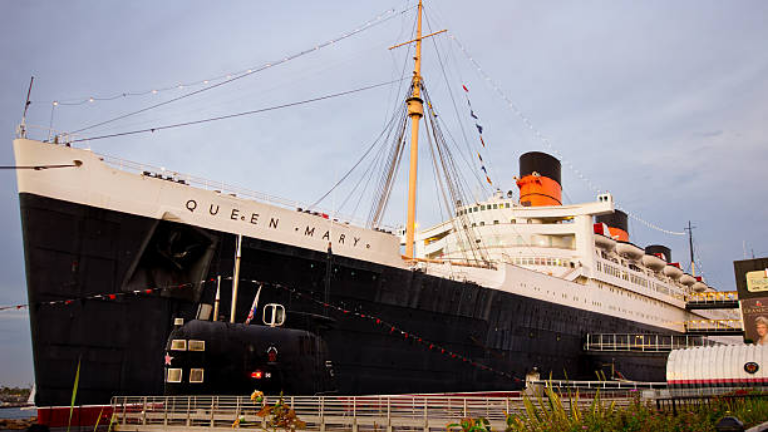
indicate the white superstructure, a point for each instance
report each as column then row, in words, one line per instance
column 555, row 255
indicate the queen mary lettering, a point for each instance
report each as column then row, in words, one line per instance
column 235, row 213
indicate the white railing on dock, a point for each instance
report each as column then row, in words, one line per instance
column 321, row 413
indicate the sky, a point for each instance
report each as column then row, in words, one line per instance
column 664, row 104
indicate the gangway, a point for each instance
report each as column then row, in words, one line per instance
column 714, row 327
column 642, row 343
column 712, row 300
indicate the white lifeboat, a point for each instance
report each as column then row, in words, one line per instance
column 604, row 242
column 687, row 279
column 699, row 286
column 653, row 262
column 673, row 271
column 629, row 250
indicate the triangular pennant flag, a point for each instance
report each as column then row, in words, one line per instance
column 484, row 170
column 465, row 88
column 482, row 140
column 479, row 157
column 479, row 128
column 489, row 180
column 472, row 113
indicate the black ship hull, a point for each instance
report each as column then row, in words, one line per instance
column 74, row 251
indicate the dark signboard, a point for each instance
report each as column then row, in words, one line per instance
column 752, row 285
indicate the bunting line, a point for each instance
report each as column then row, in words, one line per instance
column 390, row 328
column 106, row 296
column 378, row 321
column 382, row 17
column 479, row 133
column 544, row 140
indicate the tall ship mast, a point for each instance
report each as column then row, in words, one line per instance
column 415, row 113
column 126, row 264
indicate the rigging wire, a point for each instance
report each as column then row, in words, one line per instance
column 470, row 153
column 452, row 182
column 376, row 21
column 546, row 140
column 379, row 19
column 462, row 184
column 406, row 57
column 231, row 96
column 376, row 163
column 39, row 167
column 387, row 128
column 386, row 180
column 241, row 114
column 344, row 177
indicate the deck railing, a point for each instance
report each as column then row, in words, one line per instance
column 715, row 297
column 644, row 342
column 63, row 138
column 714, row 326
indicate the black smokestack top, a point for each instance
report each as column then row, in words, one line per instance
column 652, row 249
column 542, row 163
column 618, row 219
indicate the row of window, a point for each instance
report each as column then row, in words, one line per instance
column 176, row 375
column 181, row 345
column 634, row 279
column 483, row 207
column 622, row 291
column 540, row 261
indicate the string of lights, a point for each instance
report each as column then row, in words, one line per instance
column 227, row 77
column 547, row 143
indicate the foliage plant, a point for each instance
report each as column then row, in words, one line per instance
column 279, row 417
column 551, row 411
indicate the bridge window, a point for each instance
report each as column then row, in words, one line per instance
column 196, row 376
column 178, row 345
column 173, row 375
column 196, row 345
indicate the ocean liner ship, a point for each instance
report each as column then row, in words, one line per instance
column 117, row 251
